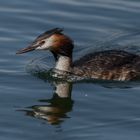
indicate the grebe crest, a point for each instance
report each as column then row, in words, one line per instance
column 107, row 65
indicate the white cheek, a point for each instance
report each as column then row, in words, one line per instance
column 43, row 47
column 48, row 43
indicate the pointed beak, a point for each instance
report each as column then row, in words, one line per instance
column 39, row 41
column 24, row 50
column 27, row 49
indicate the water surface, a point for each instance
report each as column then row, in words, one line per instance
column 30, row 107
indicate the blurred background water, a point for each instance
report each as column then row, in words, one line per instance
column 30, row 109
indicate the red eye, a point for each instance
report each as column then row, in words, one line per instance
column 42, row 42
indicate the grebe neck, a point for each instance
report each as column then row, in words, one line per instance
column 64, row 63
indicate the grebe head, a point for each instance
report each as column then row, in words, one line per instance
column 53, row 40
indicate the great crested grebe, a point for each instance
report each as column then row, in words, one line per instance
column 108, row 65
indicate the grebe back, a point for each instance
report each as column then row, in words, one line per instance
column 108, row 65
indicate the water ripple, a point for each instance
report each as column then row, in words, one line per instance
column 101, row 110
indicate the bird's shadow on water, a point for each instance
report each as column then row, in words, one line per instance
column 55, row 109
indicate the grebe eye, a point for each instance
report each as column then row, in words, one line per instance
column 42, row 42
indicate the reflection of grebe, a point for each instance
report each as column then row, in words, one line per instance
column 56, row 109
column 108, row 65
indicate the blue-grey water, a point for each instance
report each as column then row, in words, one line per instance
column 30, row 109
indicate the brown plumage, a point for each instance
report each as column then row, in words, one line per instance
column 108, row 65
column 62, row 44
